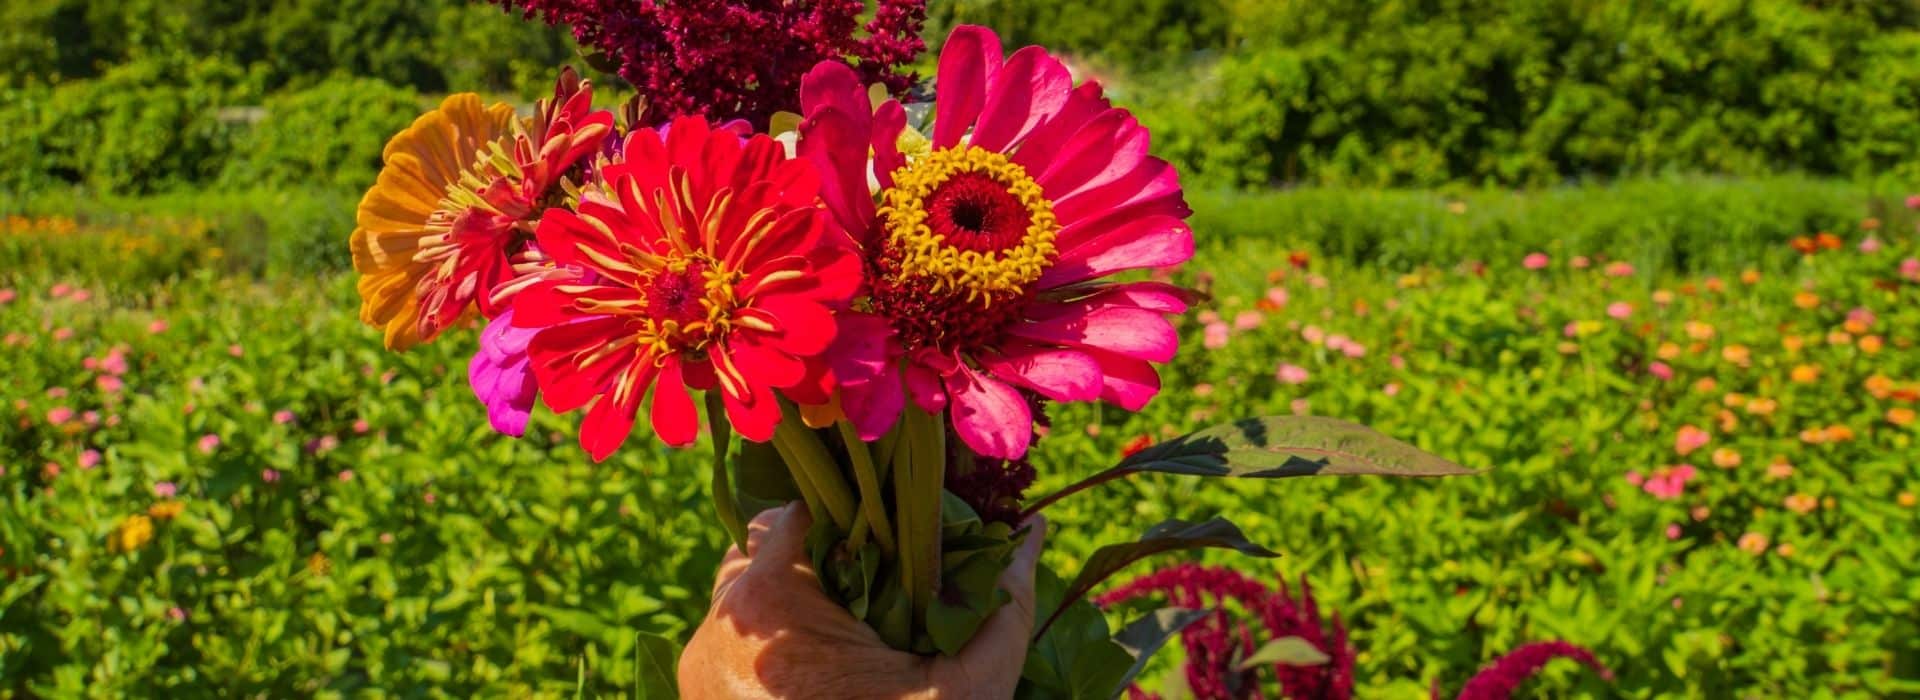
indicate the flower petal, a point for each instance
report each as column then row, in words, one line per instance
column 1130, row 332
column 968, row 62
column 1058, row 374
column 1153, row 241
column 990, row 416
column 674, row 418
column 1031, row 87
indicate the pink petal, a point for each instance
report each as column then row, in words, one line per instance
column 1125, row 382
column 990, row 416
column 1109, row 147
column 1153, row 188
column 968, row 62
column 1135, row 333
column 1083, row 104
column 1029, row 88
column 1154, row 241
column 874, row 406
column 1061, row 375
column 1152, row 296
column 925, row 388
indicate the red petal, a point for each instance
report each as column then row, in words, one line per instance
column 968, row 61
column 990, row 416
column 1058, row 374
column 1135, row 333
column 674, row 418
column 1031, row 87
column 1153, row 241
column 606, row 426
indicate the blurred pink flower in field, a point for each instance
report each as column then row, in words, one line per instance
column 283, row 416
column 89, row 459
column 158, row 326
column 1661, row 370
column 1571, row 330
column 80, row 295
column 1317, row 281
column 1581, row 262
column 1910, row 269
column 51, row 469
column 1913, row 201
column 1863, row 316
column 1354, row 350
column 1291, row 374
column 428, row 497
column 235, row 350
column 196, row 385
column 1203, row 389
column 1668, row 483
column 1313, row 334
column 1216, row 336
column 15, row 338
column 58, row 392
column 1535, row 261
column 1620, row 310
column 208, row 443
column 91, row 418
column 60, row 334
column 361, row 427
column 109, row 383
column 322, row 444
column 60, row 290
column 113, row 419
column 1277, row 297
column 1870, row 245
column 59, row 414
column 177, row 613
column 1209, row 316
column 1397, row 362
column 1247, row 320
column 1619, row 269
column 270, row 475
column 387, row 376
column 1300, row 407
column 1689, row 439
column 1338, row 342
column 1635, row 477
column 7, row 295
column 115, row 362
column 165, row 489
column 1673, row 531
column 1391, row 389
column 346, row 475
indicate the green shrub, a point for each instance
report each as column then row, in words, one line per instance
column 329, row 135
column 143, row 127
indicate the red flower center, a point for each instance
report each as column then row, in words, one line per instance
column 975, row 212
column 678, row 295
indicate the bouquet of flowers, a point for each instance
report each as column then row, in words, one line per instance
column 877, row 289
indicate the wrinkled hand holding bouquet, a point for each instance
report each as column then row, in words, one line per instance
column 877, row 294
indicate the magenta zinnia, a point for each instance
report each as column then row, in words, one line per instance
column 707, row 265
column 989, row 243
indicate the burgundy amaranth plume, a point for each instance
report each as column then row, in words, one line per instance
column 726, row 59
column 1216, row 643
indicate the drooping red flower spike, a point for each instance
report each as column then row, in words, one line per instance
column 990, row 243
column 708, row 265
column 1500, row 679
column 738, row 58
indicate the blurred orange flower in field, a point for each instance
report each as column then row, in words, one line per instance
column 1879, row 386
column 1855, row 326
column 1726, row 458
column 1705, row 385
column 1750, row 276
column 1728, row 421
column 1839, row 337
column 1805, row 245
column 1806, row 300
column 1737, row 354
column 1906, row 499
column 1716, row 285
column 1785, row 549
column 166, row 510
column 1839, row 433
column 1829, row 241
column 1753, row 543
column 1690, row 438
column 1662, row 297
column 1872, row 344
column 1733, row 399
column 1667, row 351
column 1762, row 406
column 1805, row 374
column 1792, row 343
column 1699, row 331
column 1813, row 436
column 1802, row 503
column 1900, row 416
column 1779, row 468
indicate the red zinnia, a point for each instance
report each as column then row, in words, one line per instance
column 707, row 264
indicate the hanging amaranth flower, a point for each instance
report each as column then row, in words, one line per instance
column 706, row 264
column 989, row 245
column 455, row 205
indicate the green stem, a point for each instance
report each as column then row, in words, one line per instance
column 868, row 477
column 807, row 454
column 724, row 504
column 903, row 491
column 925, row 448
column 801, row 482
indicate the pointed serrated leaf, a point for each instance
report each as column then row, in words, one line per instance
column 1287, row 446
column 1291, row 651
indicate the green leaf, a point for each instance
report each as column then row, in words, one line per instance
column 1074, row 658
column 1143, row 637
column 655, row 660
column 1292, row 651
column 1288, row 446
column 761, row 481
column 1167, row 536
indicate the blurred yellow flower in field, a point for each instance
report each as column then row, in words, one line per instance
column 1855, row 326
column 167, row 510
column 1872, row 344
column 1906, row 499
column 1737, row 354
column 1879, row 386
column 1813, row 436
column 1762, row 406
column 1726, row 458
column 1785, row 549
column 1792, row 343
column 319, row 564
column 1802, row 503
column 1733, row 399
column 1667, row 351
column 1839, row 433
column 1662, row 297
column 1706, row 385
column 1804, row 374
column 1753, row 543
column 1900, row 416
column 1839, row 338
column 1698, row 330
column 1806, row 300
column 133, row 532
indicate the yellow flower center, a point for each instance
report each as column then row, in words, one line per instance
column 968, row 220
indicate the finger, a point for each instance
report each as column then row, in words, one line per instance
column 784, row 546
column 735, row 562
column 999, row 649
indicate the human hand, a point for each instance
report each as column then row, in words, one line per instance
column 773, row 633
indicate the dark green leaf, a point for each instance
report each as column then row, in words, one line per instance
column 1167, row 536
column 1285, row 446
column 655, row 661
column 1075, row 657
column 761, row 480
column 1143, row 637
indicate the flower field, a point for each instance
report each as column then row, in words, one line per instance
column 1703, row 470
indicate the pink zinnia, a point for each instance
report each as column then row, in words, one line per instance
column 1661, row 370
column 235, row 350
column 1247, row 320
column 1620, row 310
column 361, row 426
column 60, row 290
column 1535, row 261
column 158, row 326
column 1619, row 269
column 89, row 459
column 1689, row 439
column 115, row 362
column 1291, row 374
column 1870, row 245
column 1913, row 201
column 165, row 489
column 269, row 475
column 59, row 415
column 60, row 334
column 208, row 443
column 283, row 416
column 988, row 255
column 6, row 295
column 1910, row 269
column 501, row 376
column 1216, row 336
column 109, row 384
column 345, row 475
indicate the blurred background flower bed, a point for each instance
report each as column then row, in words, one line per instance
column 1652, row 270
